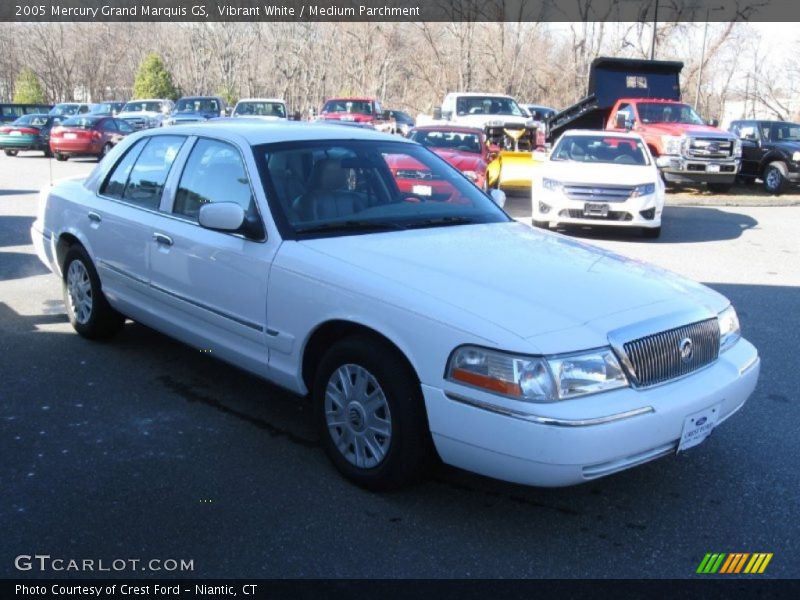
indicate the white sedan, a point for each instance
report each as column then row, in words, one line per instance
column 599, row 178
column 417, row 322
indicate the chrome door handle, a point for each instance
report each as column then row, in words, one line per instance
column 94, row 217
column 160, row 238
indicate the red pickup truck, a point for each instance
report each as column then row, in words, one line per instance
column 643, row 96
column 365, row 111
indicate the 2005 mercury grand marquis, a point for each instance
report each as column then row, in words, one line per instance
column 419, row 321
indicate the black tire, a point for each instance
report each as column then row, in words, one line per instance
column 775, row 178
column 11, row 152
column 408, row 446
column 651, row 232
column 100, row 321
column 541, row 224
column 48, row 153
column 61, row 157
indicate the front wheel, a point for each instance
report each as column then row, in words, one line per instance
column 370, row 412
column 11, row 152
column 775, row 178
column 61, row 157
column 87, row 308
column 651, row 232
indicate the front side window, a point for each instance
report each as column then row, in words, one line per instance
column 214, row 172
column 350, row 187
column 140, row 176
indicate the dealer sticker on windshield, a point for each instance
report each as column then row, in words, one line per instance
column 696, row 427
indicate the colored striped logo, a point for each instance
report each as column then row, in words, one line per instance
column 736, row 562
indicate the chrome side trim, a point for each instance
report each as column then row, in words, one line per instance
column 230, row 317
column 749, row 365
column 508, row 412
column 121, row 272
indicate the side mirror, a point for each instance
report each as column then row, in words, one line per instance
column 447, row 115
column 623, row 122
column 498, row 197
column 387, row 115
column 227, row 112
column 437, row 114
column 713, row 122
column 221, row 216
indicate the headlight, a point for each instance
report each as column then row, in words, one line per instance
column 536, row 379
column 471, row 175
column 737, row 148
column 672, row 144
column 643, row 190
column 796, row 157
column 552, row 184
column 729, row 330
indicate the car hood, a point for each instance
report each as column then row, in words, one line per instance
column 482, row 120
column 460, row 160
column 681, row 128
column 568, row 171
column 526, row 282
column 147, row 114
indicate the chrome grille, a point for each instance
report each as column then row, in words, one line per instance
column 709, row 148
column 658, row 358
column 415, row 174
column 598, row 193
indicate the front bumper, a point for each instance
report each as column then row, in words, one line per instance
column 568, row 442
column 678, row 169
column 554, row 208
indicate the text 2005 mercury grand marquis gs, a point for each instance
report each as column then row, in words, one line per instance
column 415, row 325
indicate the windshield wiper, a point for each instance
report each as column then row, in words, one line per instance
column 351, row 226
column 441, row 222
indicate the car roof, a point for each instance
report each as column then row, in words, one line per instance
column 281, row 100
column 148, row 100
column 354, row 98
column 480, row 94
column 258, row 131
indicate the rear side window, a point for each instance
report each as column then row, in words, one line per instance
column 214, row 172
column 140, row 176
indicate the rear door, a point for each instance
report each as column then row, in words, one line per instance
column 122, row 217
column 211, row 284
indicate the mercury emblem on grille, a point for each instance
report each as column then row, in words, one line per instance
column 685, row 348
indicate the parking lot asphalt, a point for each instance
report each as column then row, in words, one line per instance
column 144, row 448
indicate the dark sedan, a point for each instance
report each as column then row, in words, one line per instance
column 31, row 132
column 87, row 136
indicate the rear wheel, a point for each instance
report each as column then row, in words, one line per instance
column 369, row 409
column 61, row 157
column 11, row 152
column 775, row 178
column 87, row 308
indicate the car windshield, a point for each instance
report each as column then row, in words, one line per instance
column 104, row 107
column 64, row 109
column 261, row 109
column 81, row 122
column 362, row 107
column 347, row 187
column 488, row 105
column 595, row 149
column 32, row 120
column 448, row 140
column 142, row 107
column 652, row 112
column 199, row 105
column 780, row 132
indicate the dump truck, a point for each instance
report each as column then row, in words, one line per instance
column 644, row 96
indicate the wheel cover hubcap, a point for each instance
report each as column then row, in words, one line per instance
column 79, row 292
column 773, row 177
column 357, row 416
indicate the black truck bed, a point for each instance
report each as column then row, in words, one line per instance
column 611, row 79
